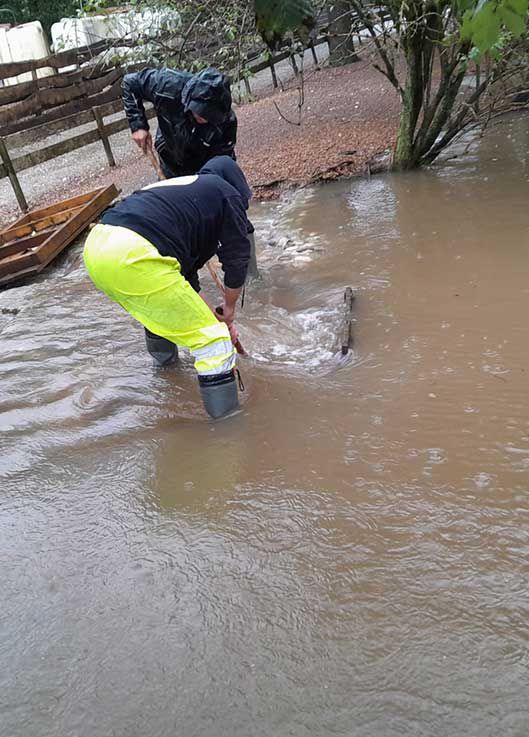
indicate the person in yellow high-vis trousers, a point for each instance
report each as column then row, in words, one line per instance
column 145, row 254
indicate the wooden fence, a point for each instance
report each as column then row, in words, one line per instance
column 31, row 112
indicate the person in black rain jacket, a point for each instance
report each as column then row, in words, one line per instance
column 195, row 119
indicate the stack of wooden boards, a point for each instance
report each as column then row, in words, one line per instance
column 29, row 244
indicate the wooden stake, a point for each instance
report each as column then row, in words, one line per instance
column 247, row 85
column 346, row 337
column 273, row 72
column 103, row 135
column 12, row 176
column 314, row 55
column 155, row 162
column 238, row 347
column 214, row 275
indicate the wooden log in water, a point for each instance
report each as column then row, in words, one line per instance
column 346, row 331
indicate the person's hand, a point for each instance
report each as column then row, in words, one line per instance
column 227, row 313
column 142, row 139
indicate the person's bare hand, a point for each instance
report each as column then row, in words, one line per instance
column 228, row 314
column 142, row 139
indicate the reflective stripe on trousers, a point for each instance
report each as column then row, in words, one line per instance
column 151, row 288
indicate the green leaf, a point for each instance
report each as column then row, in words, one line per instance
column 275, row 17
column 464, row 5
column 486, row 25
column 467, row 27
column 520, row 7
column 512, row 21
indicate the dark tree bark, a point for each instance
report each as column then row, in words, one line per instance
column 341, row 44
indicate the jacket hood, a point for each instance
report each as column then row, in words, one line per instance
column 226, row 168
column 208, row 94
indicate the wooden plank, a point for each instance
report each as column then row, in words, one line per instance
column 260, row 65
column 33, row 269
column 69, row 144
column 66, row 233
column 56, row 61
column 53, row 97
column 117, row 125
column 40, row 132
column 346, row 331
column 31, row 254
column 56, row 149
column 24, row 244
column 35, row 226
column 71, row 202
column 61, row 111
column 16, row 92
column 68, row 58
column 18, row 261
column 21, row 220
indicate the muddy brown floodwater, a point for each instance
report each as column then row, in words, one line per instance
column 347, row 556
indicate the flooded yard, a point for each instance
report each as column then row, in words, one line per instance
column 346, row 556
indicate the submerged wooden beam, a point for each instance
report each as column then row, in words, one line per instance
column 346, row 331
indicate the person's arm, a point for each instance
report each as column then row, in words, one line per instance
column 234, row 254
column 230, row 301
column 136, row 88
column 225, row 146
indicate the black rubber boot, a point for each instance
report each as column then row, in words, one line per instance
column 253, row 270
column 219, row 393
column 162, row 350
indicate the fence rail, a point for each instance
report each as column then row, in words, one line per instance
column 55, row 61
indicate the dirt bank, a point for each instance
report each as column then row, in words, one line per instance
column 349, row 118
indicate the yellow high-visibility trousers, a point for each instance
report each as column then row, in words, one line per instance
column 151, row 288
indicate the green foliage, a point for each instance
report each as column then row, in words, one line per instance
column 484, row 22
column 274, row 18
column 47, row 11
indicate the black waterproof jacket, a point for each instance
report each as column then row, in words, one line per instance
column 190, row 219
column 182, row 144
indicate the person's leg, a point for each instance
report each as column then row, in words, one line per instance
column 151, row 288
column 164, row 352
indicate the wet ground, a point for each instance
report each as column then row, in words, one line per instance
column 349, row 554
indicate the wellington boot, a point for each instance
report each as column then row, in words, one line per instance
column 219, row 393
column 162, row 350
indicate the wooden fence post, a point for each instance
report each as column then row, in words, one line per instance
column 11, row 173
column 273, row 72
column 103, row 135
column 247, row 85
column 314, row 55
